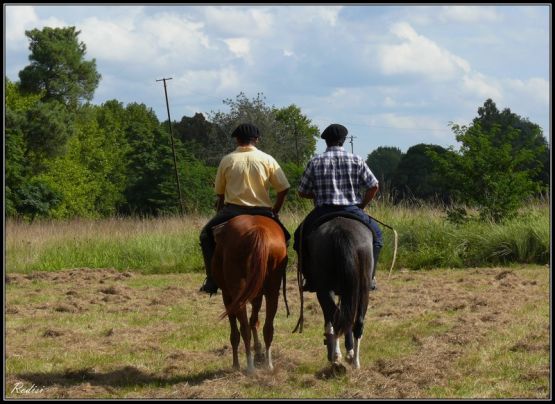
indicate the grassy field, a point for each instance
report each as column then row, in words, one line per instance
column 102, row 333
column 111, row 309
column 170, row 244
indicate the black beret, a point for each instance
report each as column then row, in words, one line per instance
column 246, row 130
column 335, row 132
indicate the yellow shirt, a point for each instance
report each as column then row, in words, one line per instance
column 244, row 176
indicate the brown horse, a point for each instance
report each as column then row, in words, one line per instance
column 249, row 262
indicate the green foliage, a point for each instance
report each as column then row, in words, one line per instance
column 58, row 69
column 529, row 136
column 47, row 128
column 417, row 174
column 383, row 162
column 294, row 203
column 286, row 133
column 487, row 175
column 16, row 101
column 36, row 198
column 298, row 140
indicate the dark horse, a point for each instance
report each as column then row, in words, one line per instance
column 249, row 262
column 341, row 263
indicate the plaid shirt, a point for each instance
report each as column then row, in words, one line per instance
column 337, row 178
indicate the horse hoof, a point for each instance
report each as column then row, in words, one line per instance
column 338, row 369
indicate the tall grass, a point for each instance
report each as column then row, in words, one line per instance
column 170, row 244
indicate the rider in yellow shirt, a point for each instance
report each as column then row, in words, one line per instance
column 242, row 185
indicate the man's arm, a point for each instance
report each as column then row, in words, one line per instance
column 306, row 195
column 368, row 196
column 280, row 198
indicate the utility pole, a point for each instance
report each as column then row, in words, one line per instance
column 296, row 141
column 173, row 147
column 351, row 142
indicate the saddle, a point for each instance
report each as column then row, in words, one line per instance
column 217, row 229
column 332, row 215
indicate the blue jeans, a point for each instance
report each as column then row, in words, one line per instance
column 320, row 211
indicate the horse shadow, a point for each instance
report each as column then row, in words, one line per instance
column 127, row 376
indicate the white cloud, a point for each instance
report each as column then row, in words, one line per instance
column 199, row 82
column 161, row 40
column 239, row 21
column 478, row 84
column 22, row 18
column 18, row 19
column 535, row 89
column 301, row 18
column 413, row 125
column 469, row 14
column 240, row 47
column 419, row 55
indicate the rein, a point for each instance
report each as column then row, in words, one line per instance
column 300, row 322
column 284, row 292
column 394, row 244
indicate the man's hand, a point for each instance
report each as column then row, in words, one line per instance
column 280, row 198
column 368, row 196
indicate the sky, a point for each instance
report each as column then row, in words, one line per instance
column 394, row 75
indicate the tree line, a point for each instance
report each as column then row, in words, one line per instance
column 66, row 157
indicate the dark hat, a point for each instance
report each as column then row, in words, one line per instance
column 246, row 130
column 335, row 132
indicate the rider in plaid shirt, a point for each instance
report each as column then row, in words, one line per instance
column 334, row 180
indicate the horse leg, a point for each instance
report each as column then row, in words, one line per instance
column 349, row 345
column 357, row 331
column 246, row 334
column 234, row 338
column 253, row 324
column 329, row 308
column 272, row 299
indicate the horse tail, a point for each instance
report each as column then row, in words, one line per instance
column 257, row 240
column 347, row 263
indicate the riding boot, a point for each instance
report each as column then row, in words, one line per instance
column 209, row 285
column 376, row 252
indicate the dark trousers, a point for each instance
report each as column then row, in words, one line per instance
column 207, row 243
column 318, row 212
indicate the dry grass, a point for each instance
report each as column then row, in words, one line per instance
column 83, row 333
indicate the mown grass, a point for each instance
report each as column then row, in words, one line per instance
column 170, row 244
column 477, row 333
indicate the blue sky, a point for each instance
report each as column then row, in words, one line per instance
column 393, row 75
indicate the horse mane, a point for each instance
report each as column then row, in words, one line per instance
column 255, row 239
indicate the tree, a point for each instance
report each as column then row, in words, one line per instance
column 298, row 141
column 58, row 69
column 47, row 128
column 489, row 175
column 195, row 133
column 243, row 110
column 418, row 175
column 37, row 199
column 528, row 136
column 383, row 162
